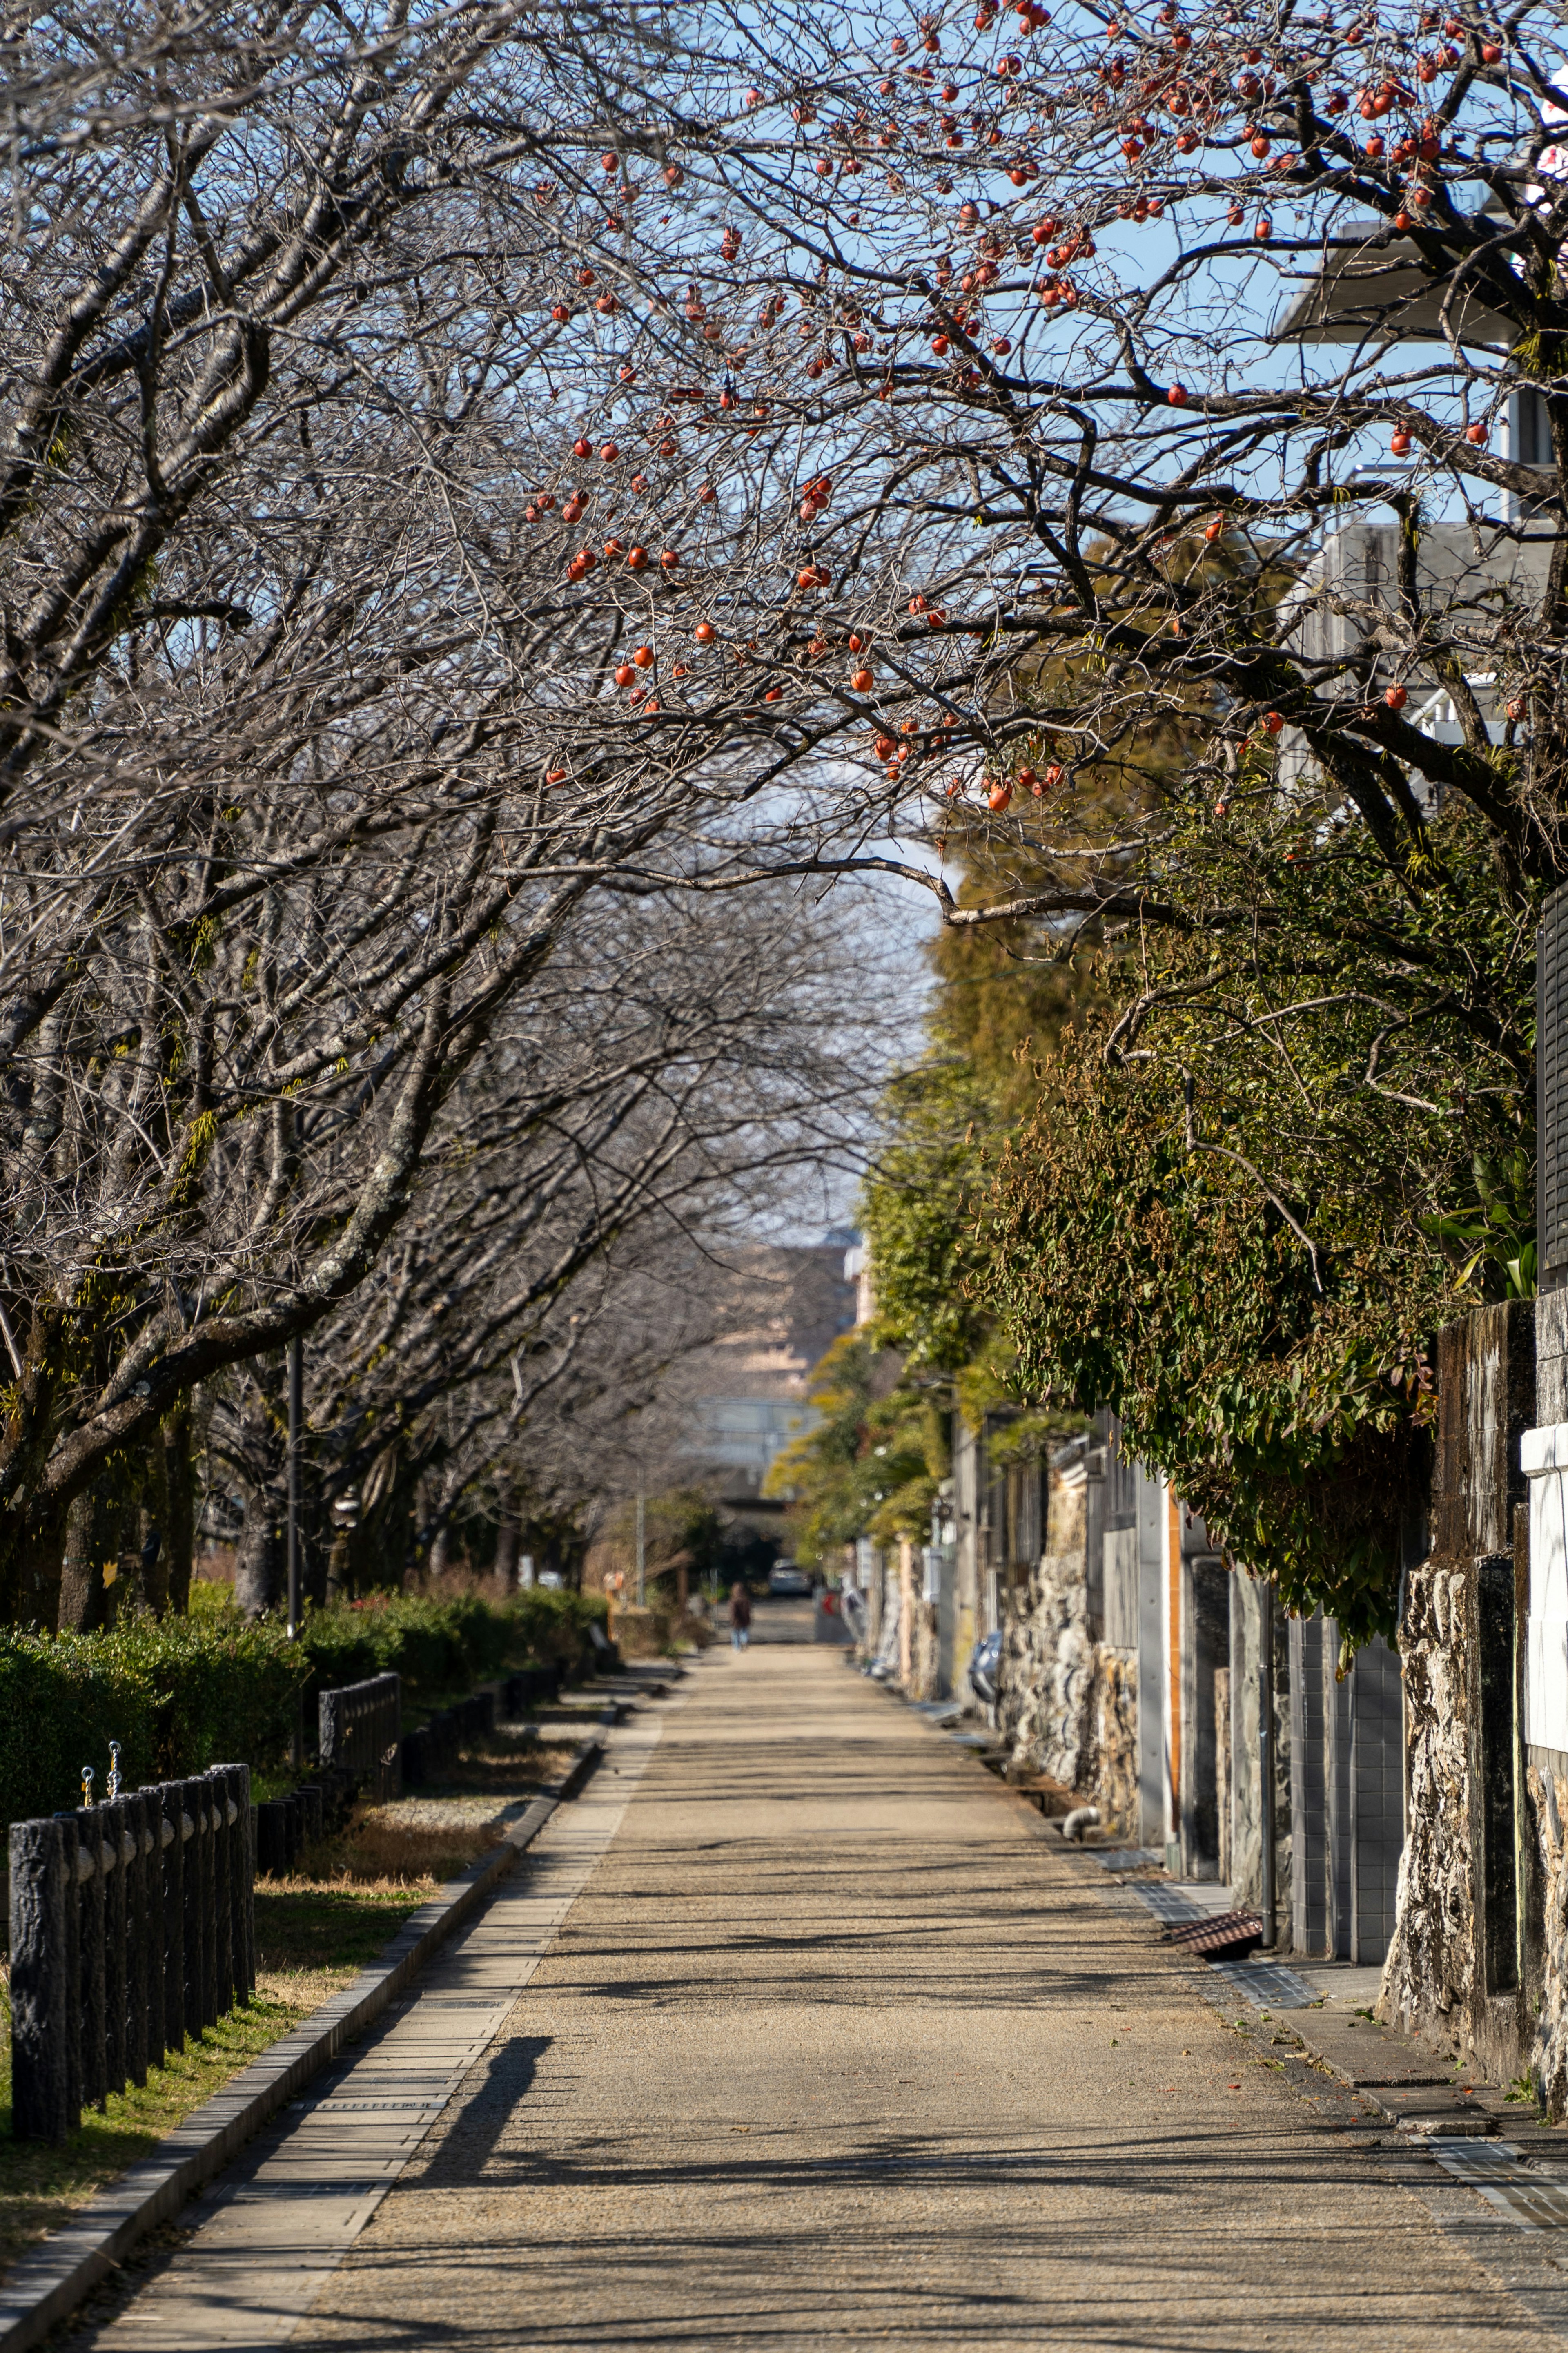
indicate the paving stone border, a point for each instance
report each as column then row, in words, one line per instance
column 68, row 2265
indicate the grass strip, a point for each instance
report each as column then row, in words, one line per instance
column 314, row 1933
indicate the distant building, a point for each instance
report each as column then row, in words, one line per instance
column 784, row 1307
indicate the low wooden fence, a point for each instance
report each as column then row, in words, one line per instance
column 362, row 1733
column 434, row 1748
column 132, row 1926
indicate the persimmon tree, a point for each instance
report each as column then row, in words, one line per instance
column 495, row 460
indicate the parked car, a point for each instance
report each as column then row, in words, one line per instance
column 785, row 1579
column 984, row 1665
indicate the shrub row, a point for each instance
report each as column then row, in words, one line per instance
column 182, row 1694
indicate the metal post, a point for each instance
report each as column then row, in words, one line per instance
column 1266, row 1757
column 642, row 1546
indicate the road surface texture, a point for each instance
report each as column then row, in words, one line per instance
column 797, row 2032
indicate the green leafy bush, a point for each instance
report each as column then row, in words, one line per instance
column 182, row 1694
column 441, row 1643
column 178, row 1696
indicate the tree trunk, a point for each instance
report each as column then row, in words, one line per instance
column 86, row 1549
column 179, row 1527
column 507, row 1535
column 259, row 1569
column 42, row 1562
column 155, row 1519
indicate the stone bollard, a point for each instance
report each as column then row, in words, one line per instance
column 172, row 1835
column 91, row 1880
column 134, row 1849
column 70, row 1849
column 42, row 1993
column 112, row 1863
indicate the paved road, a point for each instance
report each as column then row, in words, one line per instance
column 830, row 2050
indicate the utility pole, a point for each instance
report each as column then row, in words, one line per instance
column 642, row 1544
column 295, row 1604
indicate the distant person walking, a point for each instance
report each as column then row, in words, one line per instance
column 740, row 1616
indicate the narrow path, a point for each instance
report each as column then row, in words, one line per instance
column 829, row 2050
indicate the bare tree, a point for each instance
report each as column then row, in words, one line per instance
column 498, row 464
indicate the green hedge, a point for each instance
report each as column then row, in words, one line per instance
column 442, row 1646
column 186, row 1692
column 177, row 1696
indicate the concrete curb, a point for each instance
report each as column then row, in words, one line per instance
column 68, row 2265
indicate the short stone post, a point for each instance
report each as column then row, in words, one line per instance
column 193, row 1813
column 206, row 1945
column 216, row 1781
column 41, row 1989
column 241, row 1877
column 70, row 1857
column 91, row 1882
column 112, row 1853
column 173, row 1838
column 136, row 1846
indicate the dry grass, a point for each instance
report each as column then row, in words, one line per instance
column 314, row 1933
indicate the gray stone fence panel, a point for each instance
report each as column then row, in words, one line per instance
column 132, row 1926
column 362, row 1731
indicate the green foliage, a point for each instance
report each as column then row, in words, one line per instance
column 871, row 1464
column 920, row 1212
column 923, row 1209
column 1251, row 1195
column 178, row 1695
column 182, row 1694
column 442, row 1643
column 682, row 1527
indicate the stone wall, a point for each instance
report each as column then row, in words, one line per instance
column 1465, row 1962
column 1045, row 1707
column 1546, row 1784
column 1068, row 1702
column 1253, row 1609
column 1428, row 1979
column 1115, row 1780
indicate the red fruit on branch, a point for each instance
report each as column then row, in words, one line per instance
column 637, row 559
column 643, row 658
column 1395, row 697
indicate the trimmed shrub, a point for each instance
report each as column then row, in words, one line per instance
column 440, row 1644
column 178, row 1695
column 182, row 1694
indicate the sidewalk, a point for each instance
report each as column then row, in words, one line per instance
column 833, row 2047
